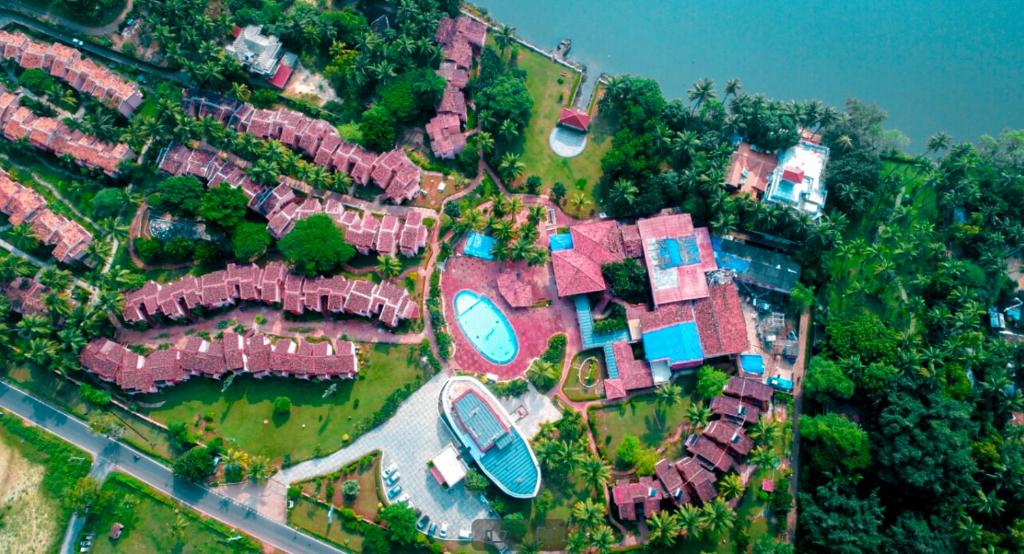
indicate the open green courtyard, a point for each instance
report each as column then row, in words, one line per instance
column 243, row 414
column 642, row 417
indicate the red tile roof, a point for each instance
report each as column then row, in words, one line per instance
column 682, row 282
column 24, row 205
column 748, row 389
column 575, row 119
column 710, row 454
column 735, row 409
column 671, row 481
column 700, row 481
column 749, row 170
column 729, row 435
column 720, row 322
column 575, row 273
column 646, row 492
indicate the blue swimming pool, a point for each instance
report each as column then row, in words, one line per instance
column 487, row 329
column 752, row 363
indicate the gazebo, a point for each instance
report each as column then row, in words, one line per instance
column 574, row 119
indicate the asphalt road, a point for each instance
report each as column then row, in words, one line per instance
column 155, row 474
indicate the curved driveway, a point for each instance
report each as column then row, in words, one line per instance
column 158, row 476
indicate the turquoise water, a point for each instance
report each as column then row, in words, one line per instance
column 487, row 329
column 934, row 65
column 752, row 363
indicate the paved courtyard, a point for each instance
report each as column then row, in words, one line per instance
column 414, row 435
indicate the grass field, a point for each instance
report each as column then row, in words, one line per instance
column 155, row 523
column 573, row 389
column 367, row 475
column 243, row 413
column 36, row 472
column 312, row 517
column 638, row 417
column 549, row 97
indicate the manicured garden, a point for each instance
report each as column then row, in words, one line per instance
column 586, row 377
column 543, row 78
column 640, row 416
column 155, row 523
column 243, row 414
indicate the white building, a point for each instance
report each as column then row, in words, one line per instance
column 798, row 180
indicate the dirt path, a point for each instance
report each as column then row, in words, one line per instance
column 798, row 388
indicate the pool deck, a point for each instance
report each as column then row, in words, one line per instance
column 533, row 326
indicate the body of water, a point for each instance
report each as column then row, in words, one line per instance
column 933, row 65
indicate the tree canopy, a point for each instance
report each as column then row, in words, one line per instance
column 316, row 246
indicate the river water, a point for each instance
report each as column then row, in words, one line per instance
column 933, row 65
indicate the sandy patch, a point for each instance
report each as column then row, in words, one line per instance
column 29, row 521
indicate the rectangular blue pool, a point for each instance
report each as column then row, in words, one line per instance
column 752, row 364
column 480, row 246
column 561, row 241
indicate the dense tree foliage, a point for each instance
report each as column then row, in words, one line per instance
column 627, row 280
column 250, row 240
column 316, row 246
column 195, row 465
column 223, row 206
column 179, row 195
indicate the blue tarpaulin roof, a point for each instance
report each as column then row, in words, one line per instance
column 561, row 241
column 780, row 383
column 480, row 246
column 676, row 343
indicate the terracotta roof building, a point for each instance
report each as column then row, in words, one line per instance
column 26, row 296
column 574, row 119
column 749, row 390
column 710, row 455
column 645, row 494
column 729, row 435
column 578, row 269
column 672, row 482
column 749, row 170
column 67, row 64
column 21, row 204
column 389, row 303
column 460, row 40
column 699, row 481
column 677, row 257
column 735, row 410
column 392, row 171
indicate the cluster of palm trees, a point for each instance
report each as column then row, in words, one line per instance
column 712, row 519
column 514, row 242
column 255, row 467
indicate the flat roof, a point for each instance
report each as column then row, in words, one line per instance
column 675, row 344
column 677, row 256
column 449, row 465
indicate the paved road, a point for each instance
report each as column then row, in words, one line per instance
column 157, row 475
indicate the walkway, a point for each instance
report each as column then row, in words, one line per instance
column 71, row 25
column 798, row 390
column 140, row 466
column 414, row 435
column 101, row 467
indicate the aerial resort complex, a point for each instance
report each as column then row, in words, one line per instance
column 382, row 277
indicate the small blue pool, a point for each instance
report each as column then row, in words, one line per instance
column 785, row 385
column 487, row 329
column 752, row 364
column 560, row 241
column 480, row 246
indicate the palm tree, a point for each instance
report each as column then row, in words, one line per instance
column 938, row 142
column 504, row 37
column 763, row 456
column 579, row 200
column 663, row 528
column 623, row 192
column 179, row 529
column 388, row 266
column 988, row 505
column 259, row 468
column 731, row 486
column 577, row 542
column 483, row 142
column 701, row 92
column 698, row 415
column 593, row 470
column 511, row 167
column 667, row 396
column 23, row 237
column 717, row 516
column 588, row 512
column 508, row 130
column 690, row 524
column 762, row 430
column 732, row 87
column 602, row 539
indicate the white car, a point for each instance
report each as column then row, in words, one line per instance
column 444, row 530
column 390, row 469
column 403, row 498
column 465, row 534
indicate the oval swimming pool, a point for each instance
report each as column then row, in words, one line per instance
column 487, row 329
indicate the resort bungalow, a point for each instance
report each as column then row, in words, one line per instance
column 735, row 410
column 798, row 180
column 262, row 55
column 576, row 120
column 749, row 390
column 729, row 435
column 486, row 432
column 645, row 494
column 672, row 482
column 749, row 170
column 677, row 257
column 709, row 454
column 699, row 481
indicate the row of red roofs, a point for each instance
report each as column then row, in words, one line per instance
column 719, row 448
column 460, row 39
column 67, row 64
column 272, row 284
column 24, row 205
column 195, row 356
column 393, row 171
column 283, row 208
column 52, row 135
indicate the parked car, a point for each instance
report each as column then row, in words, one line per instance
column 394, row 491
column 465, row 534
column 403, row 498
column 392, row 479
column 423, row 522
column 390, row 469
column 433, row 528
column 444, row 530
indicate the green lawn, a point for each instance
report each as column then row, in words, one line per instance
column 549, row 97
column 573, row 389
column 311, row 516
column 316, row 425
column 155, row 523
column 63, row 465
column 367, row 475
column 637, row 417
